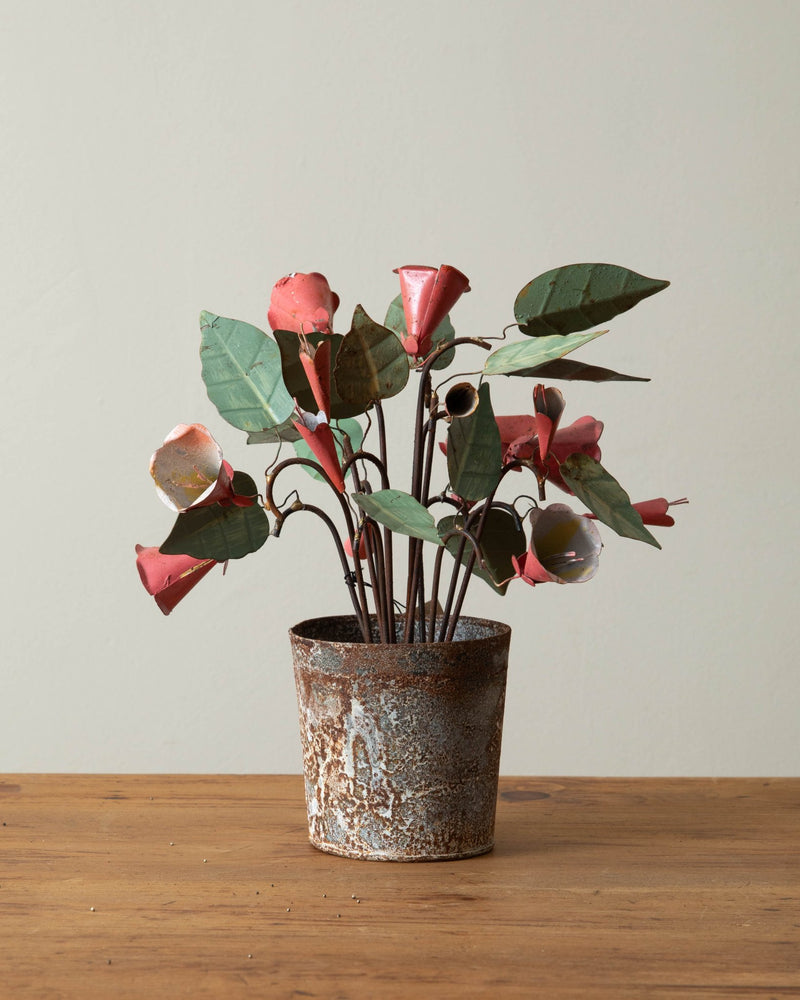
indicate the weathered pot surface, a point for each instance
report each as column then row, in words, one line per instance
column 401, row 743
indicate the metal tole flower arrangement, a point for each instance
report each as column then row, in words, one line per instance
column 309, row 386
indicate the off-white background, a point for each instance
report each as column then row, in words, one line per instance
column 163, row 158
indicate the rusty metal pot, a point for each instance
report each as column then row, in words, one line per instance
column 401, row 743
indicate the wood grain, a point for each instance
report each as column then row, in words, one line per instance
column 205, row 886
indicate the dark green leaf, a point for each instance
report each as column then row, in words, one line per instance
column 523, row 357
column 295, row 377
column 371, row 363
column 242, row 373
column 220, row 533
column 399, row 512
column 444, row 332
column 604, row 497
column 272, row 435
column 576, row 371
column 350, row 427
column 579, row 296
column 502, row 538
column 474, row 452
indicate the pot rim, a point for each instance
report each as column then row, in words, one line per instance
column 311, row 630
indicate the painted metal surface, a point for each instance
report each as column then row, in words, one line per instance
column 401, row 743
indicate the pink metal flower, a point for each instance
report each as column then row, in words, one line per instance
column 548, row 405
column 564, row 547
column 316, row 362
column 428, row 296
column 519, row 440
column 303, row 303
column 654, row 511
column 317, row 434
column 169, row 578
column 189, row 470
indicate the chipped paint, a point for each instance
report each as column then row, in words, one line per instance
column 401, row 743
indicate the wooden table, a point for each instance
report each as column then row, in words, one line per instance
column 154, row 886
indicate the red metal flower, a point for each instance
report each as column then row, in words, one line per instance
column 169, row 578
column 317, row 434
column 428, row 296
column 654, row 511
column 303, row 303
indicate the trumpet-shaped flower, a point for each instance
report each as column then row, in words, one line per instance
column 303, row 303
column 548, row 405
column 169, row 578
column 317, row 434
column 316, row 362
column 564, row 547
column 428, row 294
column 189, row 470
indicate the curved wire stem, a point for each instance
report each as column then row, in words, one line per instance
column 349, row 576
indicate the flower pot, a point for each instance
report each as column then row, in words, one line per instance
column 401, row 743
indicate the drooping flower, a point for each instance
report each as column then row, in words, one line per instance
column 654, row 511
column 303, row 303
column 428, row 293
column 169, row 578
column 564, row 547
column 189, row 470
column 317, row 434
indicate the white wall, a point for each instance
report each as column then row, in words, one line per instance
column 163, row 158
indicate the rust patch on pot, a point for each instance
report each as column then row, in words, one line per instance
column 401, row 743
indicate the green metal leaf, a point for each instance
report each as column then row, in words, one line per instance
column 294, row 375
column 576, row 371
column 604, row 497
column 502, row 538
column 474, row 451
column 578, row 296
column 399, row 512
column 348, row 426
column 524, row 356
column 242, row 373
column 371, row 363
column 220, row 533
column 272, row 435
column 444, row 332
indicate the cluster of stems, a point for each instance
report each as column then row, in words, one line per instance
column 384, row 619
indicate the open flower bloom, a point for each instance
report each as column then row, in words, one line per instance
column 429, row 294
column 303, row 303
column 169, row 578
column 654, row 511
column 317, row 434
column 564, row 547
column 519, row 440
column 189, row 470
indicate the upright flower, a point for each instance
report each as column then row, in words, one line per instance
column 169, row 578
column 564, row 547
column 189, row 470
column 548, row 405
column 429, row 294
column 316, row 362
column 303, row 303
